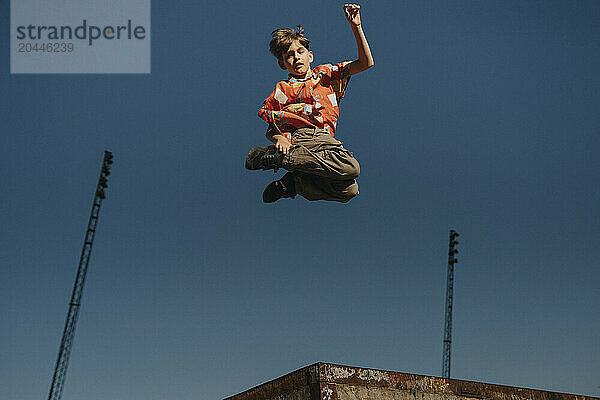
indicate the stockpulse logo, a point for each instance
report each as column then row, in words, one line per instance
column 80, row 36
column 86, row 32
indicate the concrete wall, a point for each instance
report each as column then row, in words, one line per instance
column 336, row 382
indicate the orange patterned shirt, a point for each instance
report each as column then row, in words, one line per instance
column 313, row 102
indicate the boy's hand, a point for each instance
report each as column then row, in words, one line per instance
column 365, row 58
column 352, row 14
column 282, row 144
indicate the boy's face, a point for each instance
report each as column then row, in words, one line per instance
column 297, row 60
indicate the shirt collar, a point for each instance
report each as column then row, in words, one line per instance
column 292, row 78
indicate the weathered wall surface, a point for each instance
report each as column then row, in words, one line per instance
column 335, row 382
column 347, row 392
column 350, row 383
column 354, row 392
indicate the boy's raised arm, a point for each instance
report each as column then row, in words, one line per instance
column 365, row 59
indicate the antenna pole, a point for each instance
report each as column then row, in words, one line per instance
column 449, row 300
column 66, row 342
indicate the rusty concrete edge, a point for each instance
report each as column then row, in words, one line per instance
column 314, row 376
column 343, row 374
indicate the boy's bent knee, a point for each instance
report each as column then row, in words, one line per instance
column 350, row 192
column 353, row 169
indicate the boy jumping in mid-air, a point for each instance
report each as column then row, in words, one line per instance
column 302, row 113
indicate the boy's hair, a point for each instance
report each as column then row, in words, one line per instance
column 283, row 38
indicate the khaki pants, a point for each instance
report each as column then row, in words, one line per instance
column 322, row 168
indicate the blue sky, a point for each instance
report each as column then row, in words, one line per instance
column 478, row 116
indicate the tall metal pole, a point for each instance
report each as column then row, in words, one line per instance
column 66, row 342
column 449, row 300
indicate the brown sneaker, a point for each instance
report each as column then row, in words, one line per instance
column 283, row 188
